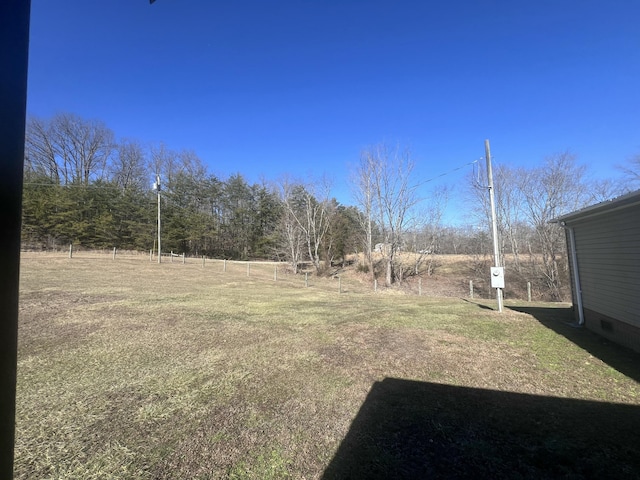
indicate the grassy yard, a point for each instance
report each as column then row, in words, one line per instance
column 130, row 369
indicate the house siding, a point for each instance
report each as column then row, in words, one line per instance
column 613, row 329
column 608, row 250
column 608, row 253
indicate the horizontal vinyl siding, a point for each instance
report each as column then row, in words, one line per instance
column 624, row 252
column 608, row 250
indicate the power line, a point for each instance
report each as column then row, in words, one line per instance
column 445, row 173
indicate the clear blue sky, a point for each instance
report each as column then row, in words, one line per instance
column 268, row 87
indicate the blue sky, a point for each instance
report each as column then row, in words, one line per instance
column 267, row 88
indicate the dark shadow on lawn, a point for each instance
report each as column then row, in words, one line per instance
column 479, row 305
column 562, row 321
column 413, row 430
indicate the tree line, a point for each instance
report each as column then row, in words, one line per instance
column 83, row 186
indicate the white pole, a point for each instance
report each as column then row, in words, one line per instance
column 159, row 235
column 494, row 223
column 576, row 275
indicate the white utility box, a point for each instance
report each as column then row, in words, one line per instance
column 497, row 277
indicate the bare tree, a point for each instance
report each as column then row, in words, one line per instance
column 310, row 214
column 363, row 192
column 601, row 190
column 188, row 163
column 315, row 223
column 293, row 239
column 128, row 166
column 509, row 206
column 480, row 211
column 83, row 146
column 67, row 148
column 164, row 162
column 290, row 230
column 631, row 171
column 40, row 151
column 387, row 173
column 551, row 190
column 427, row 237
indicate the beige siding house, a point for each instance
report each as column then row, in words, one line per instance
column 603, row 242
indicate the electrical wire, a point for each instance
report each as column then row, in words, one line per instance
column 446, row 173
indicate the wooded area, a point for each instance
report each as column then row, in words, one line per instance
column 85, row 188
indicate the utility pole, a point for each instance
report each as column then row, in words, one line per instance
column 497, row 272
column 156, row 187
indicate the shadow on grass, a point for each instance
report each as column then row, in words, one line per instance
column 408, row 429
column 477, row 304
column 562, row 320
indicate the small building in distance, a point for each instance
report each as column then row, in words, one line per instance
column 603, row 243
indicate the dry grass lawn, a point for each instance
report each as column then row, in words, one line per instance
column 130, row 369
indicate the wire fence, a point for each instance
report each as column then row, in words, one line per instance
column 338, row 280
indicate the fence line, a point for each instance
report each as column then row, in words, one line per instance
column 278, row 272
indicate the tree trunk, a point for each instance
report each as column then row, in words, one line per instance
column 389, row 272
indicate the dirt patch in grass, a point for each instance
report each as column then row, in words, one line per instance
column 54, row 318
column 135, row 370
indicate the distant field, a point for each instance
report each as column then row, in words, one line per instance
column 130, row 369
